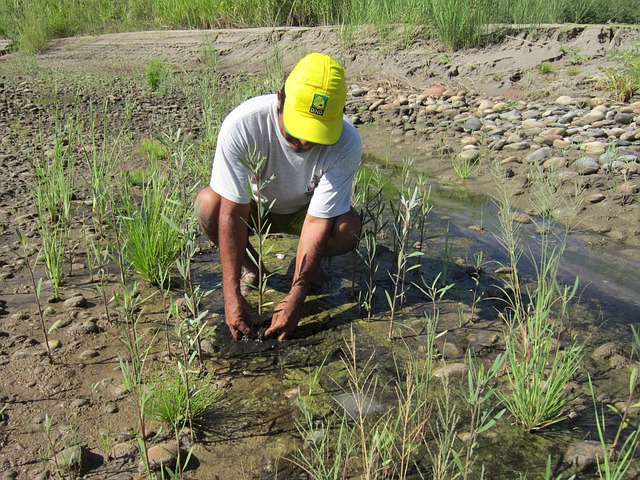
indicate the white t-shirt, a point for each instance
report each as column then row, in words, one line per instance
column 321, row 177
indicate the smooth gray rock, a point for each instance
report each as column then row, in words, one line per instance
column 586, row 166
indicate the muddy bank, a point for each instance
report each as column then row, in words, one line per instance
column 252, row 430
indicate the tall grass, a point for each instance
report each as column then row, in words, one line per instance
column 540, row 361
column 151, row 244
column 30, row 23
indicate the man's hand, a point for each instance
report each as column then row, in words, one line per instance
column 238, row 317
column 285, row 317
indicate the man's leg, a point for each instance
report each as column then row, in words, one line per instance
column 207, row 213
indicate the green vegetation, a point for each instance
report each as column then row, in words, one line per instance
column 159, row 75
column 545, row 68
column 29, row 24
column 624, row 79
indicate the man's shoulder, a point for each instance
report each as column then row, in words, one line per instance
column 350, row 139
column 253, row 107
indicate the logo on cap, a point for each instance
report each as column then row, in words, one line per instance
column 319, row 104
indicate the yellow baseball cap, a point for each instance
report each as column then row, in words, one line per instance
column 316, row 92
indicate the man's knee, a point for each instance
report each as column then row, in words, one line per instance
column 347, row 229
column 207, row 205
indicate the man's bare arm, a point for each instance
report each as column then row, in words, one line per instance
column 311, row 248
column 233, row 238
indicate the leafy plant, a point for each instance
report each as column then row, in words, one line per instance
column 159, row 75
column 623, row 79
column 545, row 68
column 402, row 226
column 255, row 185
column 368, row 193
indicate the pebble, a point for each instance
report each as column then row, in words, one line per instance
column 452, row 370
column 583, row 455
column 586, row 166
column 85, row 328
column 164, row 454
column 79, row 301
column 90, row 353
column 123, row 450
column 607, row 350
column 470, row 156
column 79, row 403
column 540, row 155
column 71, row 459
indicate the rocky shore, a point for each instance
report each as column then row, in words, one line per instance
column 585, row 146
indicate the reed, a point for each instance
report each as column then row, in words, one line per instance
column 463, row 166
column 129, row 305
column 101, row 161
column 363, row 442
column 624, row 78
column 618, row 456
column 54, row 241
column 480, row 393
column 457, row 23
column 159, row 75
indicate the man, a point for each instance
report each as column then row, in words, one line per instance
column 313, row 152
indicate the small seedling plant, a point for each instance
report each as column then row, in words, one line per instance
column 37, row 291
column 254, row 164
column 402, row 227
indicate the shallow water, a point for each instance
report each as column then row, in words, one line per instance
column 261, row 411
column 608, row 274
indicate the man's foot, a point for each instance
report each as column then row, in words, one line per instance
column 248, row 281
